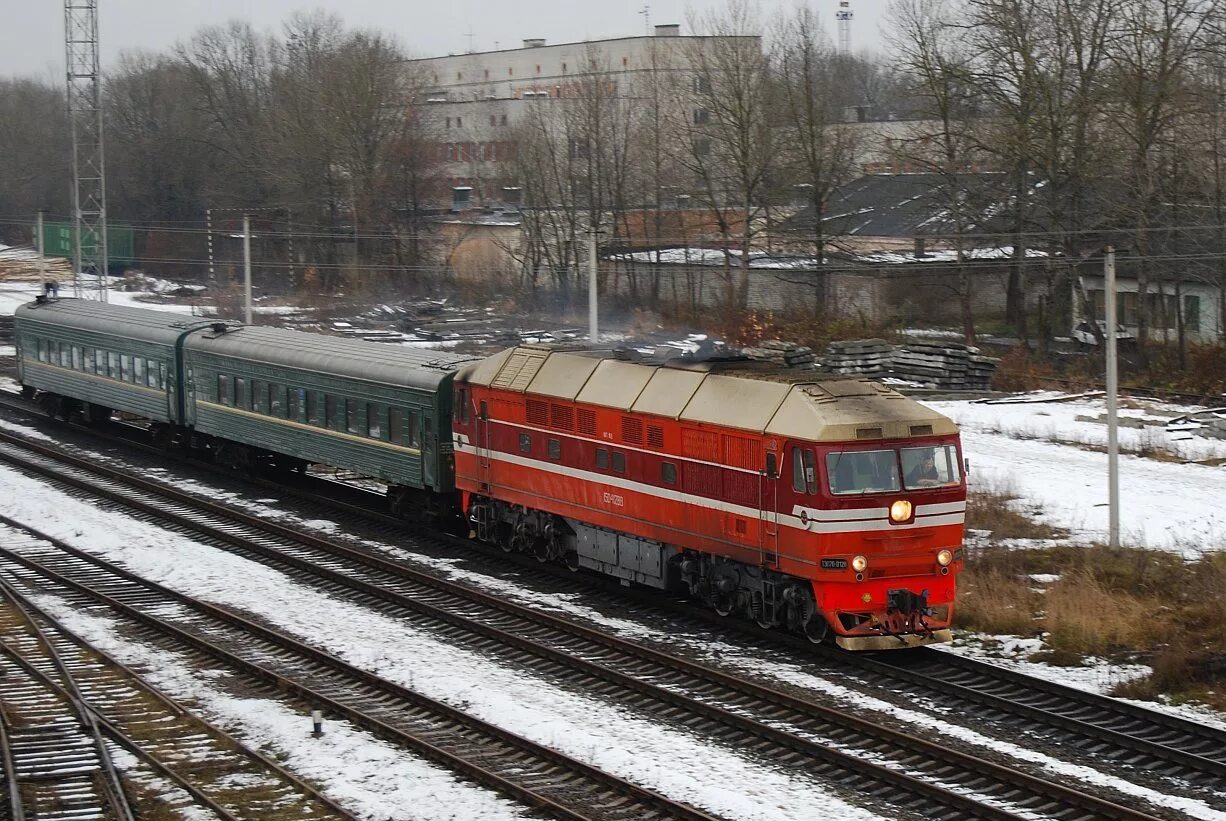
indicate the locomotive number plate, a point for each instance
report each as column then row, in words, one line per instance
column 834, row 564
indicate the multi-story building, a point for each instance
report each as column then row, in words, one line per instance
column 475, row 101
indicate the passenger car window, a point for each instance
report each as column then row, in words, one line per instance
column 138, row 370
column 224, row 393
column 373, row 429
column 330, row 413
column 112, row 365
column 354, row 413
column 259, row 396
column 242, row 399
column 411, row 433
column 276, row 400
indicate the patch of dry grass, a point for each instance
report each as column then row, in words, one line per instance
column 1086, row 617
column 993, row 508
column 995, row 600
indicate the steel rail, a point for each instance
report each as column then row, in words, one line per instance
column 737, row 687
column 643, row 803
column 176, row 719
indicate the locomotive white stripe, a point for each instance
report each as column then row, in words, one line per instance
column 821, row 521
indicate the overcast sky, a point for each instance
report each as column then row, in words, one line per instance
column 32, row 31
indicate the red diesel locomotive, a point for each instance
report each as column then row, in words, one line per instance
column 818, row 503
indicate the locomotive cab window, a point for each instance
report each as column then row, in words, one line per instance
column 461, row 405
column 863, row 471
column 927, row 467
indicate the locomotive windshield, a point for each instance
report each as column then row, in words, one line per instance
column 877, row 471
column 863, row 471
column 935, row 466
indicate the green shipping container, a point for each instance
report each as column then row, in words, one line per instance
column 120, row 243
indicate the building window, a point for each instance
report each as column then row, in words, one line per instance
column 449, row 122
column 701, row 116
column 702, row 147
column 668, row 473
column 619, row 462
column 502, row 120
column 459, row 75
column 564, row 68
column 555, row 449
column 538, row 68
column 487, row 74
column 525, row 443
column 510, row 72
column 459, row 122
column 1191, row 312
column 493, row 120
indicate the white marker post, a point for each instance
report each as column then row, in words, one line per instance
column 247, row 268
column 1113, row 440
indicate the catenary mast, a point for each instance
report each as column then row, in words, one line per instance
column 88, row 167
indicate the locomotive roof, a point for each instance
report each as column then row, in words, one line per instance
column 751, row 396
column 144, row 324
column 373, row 361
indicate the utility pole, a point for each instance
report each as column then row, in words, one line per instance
column 247, row 268
column 1113, row 441
column 593, row 237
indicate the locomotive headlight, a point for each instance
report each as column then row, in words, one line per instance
column 900, row 511
column 859, row 563
column 945, row 557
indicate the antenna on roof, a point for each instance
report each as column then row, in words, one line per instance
column 646, row 12
column 469, row 35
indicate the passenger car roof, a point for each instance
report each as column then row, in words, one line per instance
column 386, row 363
column 751, row 396
column 143, row 324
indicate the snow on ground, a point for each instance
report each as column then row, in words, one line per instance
column 635, row 748
column 1164, row 505
column 14, row 294
column 365, row 774
column 672, row 761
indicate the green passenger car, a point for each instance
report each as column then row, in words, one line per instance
column 94, row 357
column 377, row 410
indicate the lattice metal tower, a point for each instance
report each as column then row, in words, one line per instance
column 844, row 15
column 88, row 167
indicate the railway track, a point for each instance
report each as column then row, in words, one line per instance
column 214, row 772
column 57, row 764
column 534, row 775
column 784, row 728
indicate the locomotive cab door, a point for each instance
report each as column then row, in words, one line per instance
column 768, row 512
column 484, row 467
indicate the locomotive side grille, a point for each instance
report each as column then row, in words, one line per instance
column 740, row 452
column 587, row 422
column 632, row 430
column 700, row 444
column 538, row 412
column 562, row 417
column 701, row 480
column 921, row 430
column 655, row 436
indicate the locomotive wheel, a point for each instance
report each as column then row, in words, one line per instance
column 724, row 603
column 816, row 629
column 572, row 561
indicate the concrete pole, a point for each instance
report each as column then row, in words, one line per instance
column 208, row 239
column 1113, row 441
column 247, row 268
column 593, row 334
column 41, row 247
